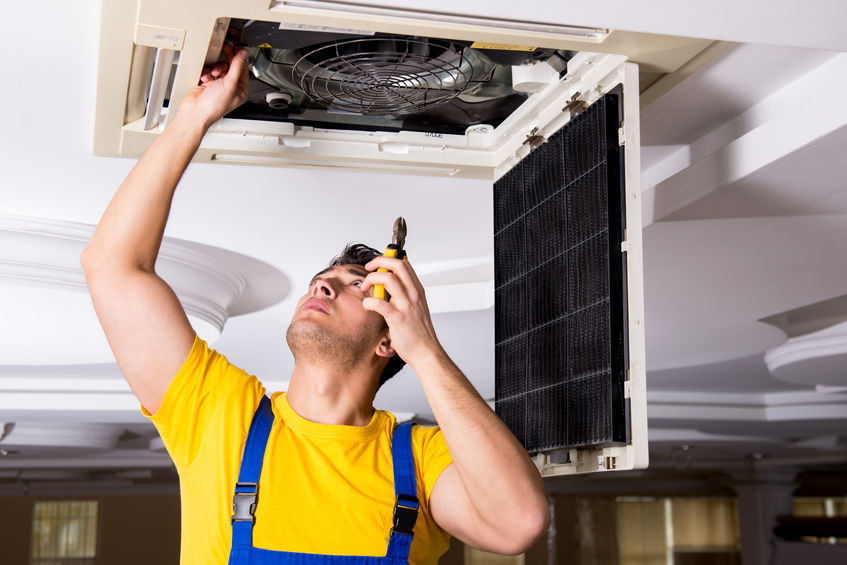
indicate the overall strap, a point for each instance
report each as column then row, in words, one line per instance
column 247, row 488
column 405, row 491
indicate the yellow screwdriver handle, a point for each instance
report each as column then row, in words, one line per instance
column 379, row 290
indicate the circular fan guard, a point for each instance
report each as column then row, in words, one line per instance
column 384, row 76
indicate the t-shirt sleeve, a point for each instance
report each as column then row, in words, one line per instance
column 431, row 456
column 205, row 384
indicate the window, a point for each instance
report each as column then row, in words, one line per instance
column 479, row 557
column 678, row 531
column 824, row 509
column 64, row 533
column 820, row 506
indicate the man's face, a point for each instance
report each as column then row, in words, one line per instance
column 329, row 319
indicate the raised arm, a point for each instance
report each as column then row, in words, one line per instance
column 144, row 322
column 492, row 496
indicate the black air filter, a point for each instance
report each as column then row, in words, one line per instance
column 560, row 279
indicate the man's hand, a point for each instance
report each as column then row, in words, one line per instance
column 141, row 315
column 407, row 314
column 222, row 88
column 492, row 496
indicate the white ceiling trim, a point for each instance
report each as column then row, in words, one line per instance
column 76, row 400
column 42, row 253
column 823, row 343
column 683, row 435
column 68, row 436
column 768, row 407
column 62, row 384
column 58, row 244
column 459, row 285
column 460, row 297
column 119, row 458
column 774, row 135
column 817, row 358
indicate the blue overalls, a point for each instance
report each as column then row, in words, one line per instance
column 246, row 494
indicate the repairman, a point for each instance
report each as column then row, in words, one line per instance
column 315, row 474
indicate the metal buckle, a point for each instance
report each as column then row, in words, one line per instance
column 405, row 514
column 244, row 503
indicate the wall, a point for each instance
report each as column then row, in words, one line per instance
column 455, row 555
column 140, row 529
column 134, row 529
column 15, row 524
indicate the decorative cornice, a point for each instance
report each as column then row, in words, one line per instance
column 458, row 286
column 60, row 399
column 205, row 285
column 813, row 359
column 763, row 407
column 43, row 255
column 69, row 436
column 39, row 274
column 810, row 318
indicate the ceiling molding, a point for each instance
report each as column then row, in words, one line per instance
column 86, row 488
column 118, row 458
column 460, row 285
column 58, row 244
column 667, row 82
column 69, row 437
column 684, row 435
column 39, row 263
column 810, row 318
column 39, row 274
column 725, row 407
column 786, row 130
column 76, row 400
column 465, row 297
column 818, row 358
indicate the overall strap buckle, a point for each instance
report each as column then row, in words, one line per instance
column 405, row 514
column 244, row 502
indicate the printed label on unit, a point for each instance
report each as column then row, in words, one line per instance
column 327, row 29
column 431, row 134
column 501, row 46
column 159, row 37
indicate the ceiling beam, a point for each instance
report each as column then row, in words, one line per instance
column 800, row 114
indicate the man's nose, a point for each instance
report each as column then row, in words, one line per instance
column 323, row 288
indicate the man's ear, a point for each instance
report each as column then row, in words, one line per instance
column 383, row 348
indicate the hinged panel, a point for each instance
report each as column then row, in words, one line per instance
column 569, row 362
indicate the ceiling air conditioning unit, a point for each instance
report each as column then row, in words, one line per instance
column 341, row 84
column 348, row 85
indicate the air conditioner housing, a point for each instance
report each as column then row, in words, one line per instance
column 153, row 51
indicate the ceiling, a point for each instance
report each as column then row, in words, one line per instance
column 745, row 217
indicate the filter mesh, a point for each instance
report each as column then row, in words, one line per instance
column 559, row 287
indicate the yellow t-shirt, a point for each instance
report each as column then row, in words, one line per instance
column 324, row 489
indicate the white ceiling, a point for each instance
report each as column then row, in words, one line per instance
column 745, row 210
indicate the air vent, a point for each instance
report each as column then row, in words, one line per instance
column 384, row 76
column 343, row 79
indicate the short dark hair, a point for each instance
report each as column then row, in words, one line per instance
column 361, row 254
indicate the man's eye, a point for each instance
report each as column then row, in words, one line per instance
column 357, row 283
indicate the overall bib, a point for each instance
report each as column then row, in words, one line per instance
column 246, row 496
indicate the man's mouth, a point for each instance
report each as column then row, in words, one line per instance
column 315, row 304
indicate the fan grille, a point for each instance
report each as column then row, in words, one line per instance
column 384, row 76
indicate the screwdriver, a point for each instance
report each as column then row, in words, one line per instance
column 394, row 249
